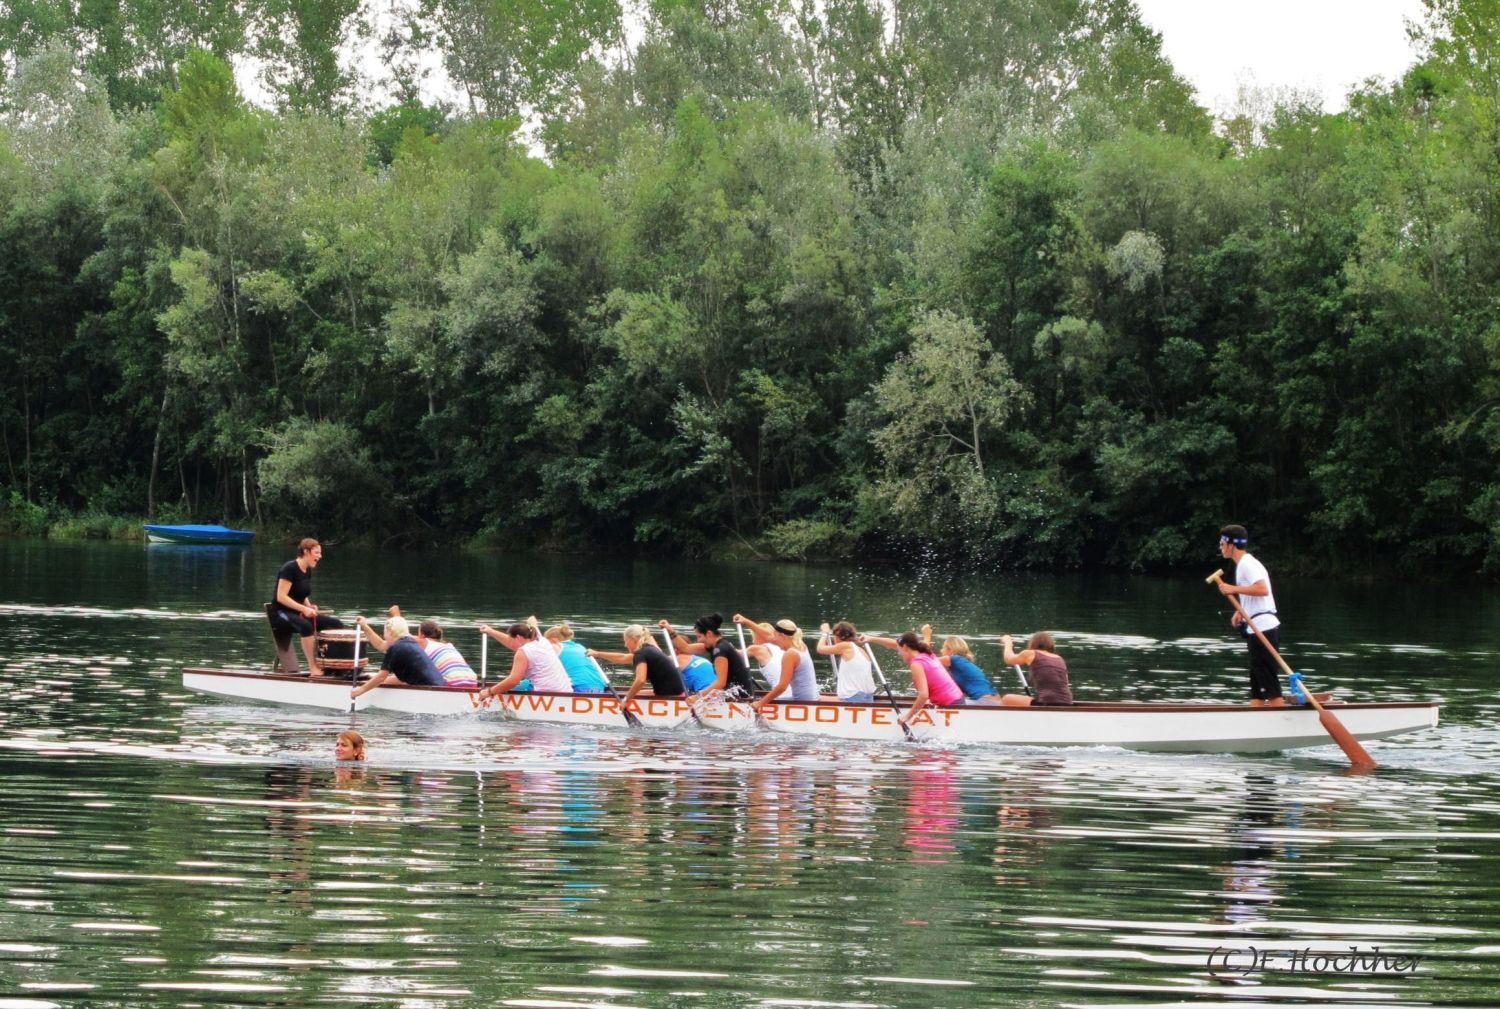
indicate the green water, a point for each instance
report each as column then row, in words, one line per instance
column 163, row 848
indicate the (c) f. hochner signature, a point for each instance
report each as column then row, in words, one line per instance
column 1242, row 960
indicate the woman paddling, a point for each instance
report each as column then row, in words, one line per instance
column 927, row 673
column 649, row 664
column 730, row 668
column 789, row 667
column 856, row 680
column 582, row 673
column 1049, row 673
column 958, row 659
column 535, row 660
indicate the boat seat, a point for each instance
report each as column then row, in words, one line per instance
column 286, row 642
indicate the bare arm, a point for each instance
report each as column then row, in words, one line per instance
column 918, row 680
column 380, row 677
column 761, row 637
column 1024, row 658
column 619, row 658
column 513, row 644
column 635, row 686
column 788, row 667
column 882, row 642
column 377, row 642
column 681, row 643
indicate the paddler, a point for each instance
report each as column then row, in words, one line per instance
column 536, row 660
column 731, row 671
column 1252, row 583
column 649, row 663
column 405, row 658
column 1049, row 672
column 790, row 669
column 928, row 676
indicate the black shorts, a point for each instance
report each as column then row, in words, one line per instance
column 298, row 624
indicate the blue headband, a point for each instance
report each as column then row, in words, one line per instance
column 1238, row 541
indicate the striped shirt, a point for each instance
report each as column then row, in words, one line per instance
column 450, row 665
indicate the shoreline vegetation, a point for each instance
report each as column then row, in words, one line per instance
column 966, row 282
column 125, row 529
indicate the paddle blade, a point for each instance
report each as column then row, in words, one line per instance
column 1356, row 753
column 631, row 719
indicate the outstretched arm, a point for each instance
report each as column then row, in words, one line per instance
column 513, row 644
column 760, row 635
column 1013, row 658
column 377, row 642
column 681, row 643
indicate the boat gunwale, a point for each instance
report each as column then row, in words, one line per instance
column 1100, row 707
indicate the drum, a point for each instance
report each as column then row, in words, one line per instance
column 336, row 649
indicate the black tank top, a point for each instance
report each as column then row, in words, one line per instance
column 739, row 670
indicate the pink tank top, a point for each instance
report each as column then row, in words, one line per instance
column 940, row 686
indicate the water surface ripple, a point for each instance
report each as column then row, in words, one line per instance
column 168, row 849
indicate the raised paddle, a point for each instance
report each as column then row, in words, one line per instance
column 1356, row 753
column 888, row 695
column 666, row 636
column 760, row 720
column 630, row 716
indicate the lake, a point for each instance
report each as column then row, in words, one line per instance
column 166, row 848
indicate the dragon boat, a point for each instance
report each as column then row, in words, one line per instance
column 1157, row 726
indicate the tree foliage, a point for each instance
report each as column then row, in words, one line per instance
column 806, row 277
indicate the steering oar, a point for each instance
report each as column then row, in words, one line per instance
column 1358, row 756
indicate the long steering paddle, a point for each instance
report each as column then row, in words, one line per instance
column 1358, row 757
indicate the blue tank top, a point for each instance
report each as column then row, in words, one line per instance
column 699, row 673
column 580, row 669
column 970, row 678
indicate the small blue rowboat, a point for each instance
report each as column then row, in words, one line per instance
column 198, row 534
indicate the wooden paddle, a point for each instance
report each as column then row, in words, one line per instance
column 1358, row 757
column 875, row 666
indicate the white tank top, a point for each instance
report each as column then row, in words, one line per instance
column 544, row 669
column 772, row 666
column 855, row 676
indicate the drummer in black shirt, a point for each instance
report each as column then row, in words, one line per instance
column 293, row 608
column 731, row 671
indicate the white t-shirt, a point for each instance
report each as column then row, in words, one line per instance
column 1260, row 609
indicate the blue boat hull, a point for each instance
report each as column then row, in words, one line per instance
column 198, row 534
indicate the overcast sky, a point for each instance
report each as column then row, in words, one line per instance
column 1327, row 46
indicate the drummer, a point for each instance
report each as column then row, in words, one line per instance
column 293, row 609
column 405, row 658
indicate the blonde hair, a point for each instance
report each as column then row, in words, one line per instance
column 396, row 627
column 560, row 632
column 957, row 646
column 636, row 633
column 355, row 740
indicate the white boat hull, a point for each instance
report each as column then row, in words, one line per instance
column 1193, row 728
